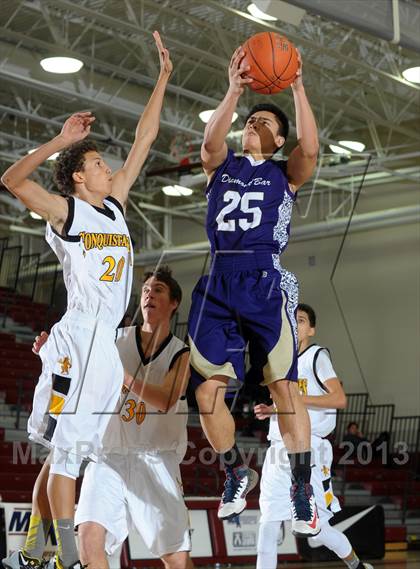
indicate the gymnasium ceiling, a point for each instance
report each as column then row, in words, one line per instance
column 353, row 80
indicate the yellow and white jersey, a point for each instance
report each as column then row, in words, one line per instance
column 96, row 254
column 138, row 426
column 314, row 369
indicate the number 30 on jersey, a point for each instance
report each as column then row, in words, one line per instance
column 236, row 201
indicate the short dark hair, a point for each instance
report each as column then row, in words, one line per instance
column 71, row 160
column 310, row 312
column 282, row 119
column 163, row 274
column 351, row 424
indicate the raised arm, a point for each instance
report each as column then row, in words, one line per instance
column 146, row 131
column 51, row 207
column 303, row 158
column 164, row 396
column 214, row 148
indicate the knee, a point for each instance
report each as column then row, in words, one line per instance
column 179, row 560
column 91, row 542
column 206, row 395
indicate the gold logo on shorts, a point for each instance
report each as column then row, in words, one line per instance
column 65, row 365
column 325, row 470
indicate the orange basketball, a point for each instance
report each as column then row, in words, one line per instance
column 273, row 60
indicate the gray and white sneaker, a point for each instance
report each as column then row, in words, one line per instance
column 18, row 560
column 55, row 563
column 239, row 482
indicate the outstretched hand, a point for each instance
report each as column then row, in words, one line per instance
column 77, row 127
column 298, row 82
column 166, row 65
column 237, row 72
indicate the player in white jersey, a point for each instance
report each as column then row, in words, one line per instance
column 138, row 482
column 137, row 479
column 82, row 373
column 322, row 394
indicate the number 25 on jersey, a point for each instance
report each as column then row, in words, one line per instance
column 236, row 201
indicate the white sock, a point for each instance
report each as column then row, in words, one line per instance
column 267, row 545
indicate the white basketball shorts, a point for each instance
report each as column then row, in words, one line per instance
column 79, row 386
column 143, row 490
column 276, row 481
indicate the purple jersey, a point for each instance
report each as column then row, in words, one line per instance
column 249, row 206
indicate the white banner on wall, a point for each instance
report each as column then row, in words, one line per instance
column 241, row 535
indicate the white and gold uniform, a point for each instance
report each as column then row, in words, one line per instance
column 314, row 367
column 138, row 480
column 82, row 373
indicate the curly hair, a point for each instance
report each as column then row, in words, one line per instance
column 163, row 274
column 71, row 160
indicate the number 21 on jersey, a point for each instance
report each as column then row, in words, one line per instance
column 236, row 201
column 110, row 275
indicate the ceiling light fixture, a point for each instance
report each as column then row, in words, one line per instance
column 176, row 190
column 412, row 74
column 61, row 64
column 52, row 157
column 257, row 13
column 353, row 145
column 205, row 115
column 350, row 144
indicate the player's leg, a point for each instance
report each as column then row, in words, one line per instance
column 328, row 504
column 178, row 560
column 41, row 517
column 268, row 536
column 101, row 514
column 274, row 504
column 92, row 545
column 273, row 349
column 39, row 526
column 337, row 542
column 217, row 357
column 61, row 488
column 215, row 417
column 219, row 428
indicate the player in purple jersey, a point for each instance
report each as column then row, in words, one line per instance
column 248, row 298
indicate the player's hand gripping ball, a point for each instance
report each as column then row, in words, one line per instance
column 273, row 61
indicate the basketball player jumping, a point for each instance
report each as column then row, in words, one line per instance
column 248, row 297
column 82, row 373
column 322, row 393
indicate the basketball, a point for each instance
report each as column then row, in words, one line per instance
column 273, row 60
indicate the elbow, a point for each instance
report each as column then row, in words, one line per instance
column 207, row 147
column 342, row 402
column 311, row 152
column 309, row 148
column 7, row 182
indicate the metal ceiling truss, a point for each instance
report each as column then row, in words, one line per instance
column 353, row 80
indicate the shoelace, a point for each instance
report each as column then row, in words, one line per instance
column 231, row 486
column 301, row 502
